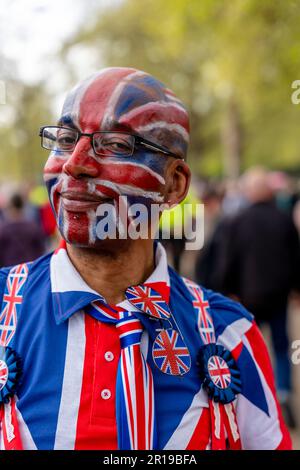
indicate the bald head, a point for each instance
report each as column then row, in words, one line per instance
column 93, row 167
column 127, row 99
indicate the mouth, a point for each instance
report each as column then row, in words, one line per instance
column 81, row 202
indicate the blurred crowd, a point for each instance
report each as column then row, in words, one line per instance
column 252, row 254
column 27, row 224
column 251, row 250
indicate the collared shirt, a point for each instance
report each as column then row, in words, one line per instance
column 96, row 425
column 66, row 399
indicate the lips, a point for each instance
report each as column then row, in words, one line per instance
column 80, row 202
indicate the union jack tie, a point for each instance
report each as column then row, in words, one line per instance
column 134, row 390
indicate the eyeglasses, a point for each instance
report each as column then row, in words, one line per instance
column 104, row 143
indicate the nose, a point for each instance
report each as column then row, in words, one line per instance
column 81, row 164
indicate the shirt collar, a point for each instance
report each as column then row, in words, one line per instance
column 70, row 293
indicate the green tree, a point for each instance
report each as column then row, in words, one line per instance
column 232, row 63
column 26, row 109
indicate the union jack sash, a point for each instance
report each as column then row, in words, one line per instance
column 11, row 304
column 223, row 415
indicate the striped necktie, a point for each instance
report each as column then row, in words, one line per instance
column 135, row 408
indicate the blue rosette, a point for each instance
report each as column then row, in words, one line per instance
column 219, row 373
column 10, row 373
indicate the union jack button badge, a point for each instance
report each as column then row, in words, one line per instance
column 10, row 373
column 148, row 301
column 219, row 372
column 170, row 354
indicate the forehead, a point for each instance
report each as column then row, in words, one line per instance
column 131, row 100
column 113, row 95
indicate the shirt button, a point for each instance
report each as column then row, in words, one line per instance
column 105, row 394
column 109, row 356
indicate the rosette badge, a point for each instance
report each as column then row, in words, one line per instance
column 10, row 373
column 219, row 372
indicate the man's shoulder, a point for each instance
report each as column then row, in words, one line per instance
column 34, row 267
column 223, row 310
column 224, row 306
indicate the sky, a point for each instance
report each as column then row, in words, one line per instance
column 32, row 32
column 32, row 29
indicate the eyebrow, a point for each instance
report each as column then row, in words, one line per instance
column 67, row 121
column 117, row 126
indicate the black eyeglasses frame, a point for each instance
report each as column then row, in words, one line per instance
column 137, row 140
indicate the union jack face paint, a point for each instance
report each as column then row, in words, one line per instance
column 114, row 99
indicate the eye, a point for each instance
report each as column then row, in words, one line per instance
column 66, row 140
column 117, row 146
column 113, row 144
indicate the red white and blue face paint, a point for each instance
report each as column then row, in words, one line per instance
column 117, row 99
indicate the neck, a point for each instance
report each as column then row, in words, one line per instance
column 109, row 272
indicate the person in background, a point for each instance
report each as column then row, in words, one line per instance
column 21, row 240
column 215, row 224
column 38, row 198
column 234, row 200
column 260, row 266
column 285, row 190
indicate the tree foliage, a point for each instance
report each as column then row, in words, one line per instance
column 27, row 108
column 232, row 63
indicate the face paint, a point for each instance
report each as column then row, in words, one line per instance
column 117, row 99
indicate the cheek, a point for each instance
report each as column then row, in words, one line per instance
column 142, row 175
column 153, row 164
column 51, row 174
column 54, row 165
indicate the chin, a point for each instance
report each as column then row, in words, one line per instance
column 77, row 232
column 105, row 247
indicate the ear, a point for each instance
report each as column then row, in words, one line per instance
column 178, row 178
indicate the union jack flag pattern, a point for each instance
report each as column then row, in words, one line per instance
column 12, row 300
column 11, row 303
column 170, row 354
column 147, row 300
column 3, row 374
column 219, row 371
column 220, row 376
column 136, row 102
column 80, row 393
column 205, row 323
column 134, row 389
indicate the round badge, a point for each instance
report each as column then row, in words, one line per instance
column 170, row 353
column 10, row 373
column 148, row 301
column 3, row 374
column 219, row 373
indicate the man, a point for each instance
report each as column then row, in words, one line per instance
column 117, row 350
column 260, row 259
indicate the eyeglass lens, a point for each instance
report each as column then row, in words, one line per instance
column 104, row 143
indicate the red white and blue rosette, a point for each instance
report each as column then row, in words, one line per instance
column 219, row 373
column 10, row 373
